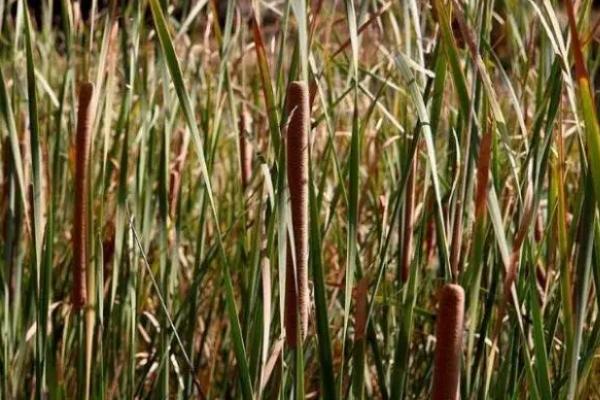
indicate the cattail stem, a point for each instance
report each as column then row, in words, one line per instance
column 448, row 348
column 409, row 206
column 245, row 148
column 81, row 223
column 296, row 301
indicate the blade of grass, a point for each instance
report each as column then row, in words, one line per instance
column 38, row 219
column 176, row 75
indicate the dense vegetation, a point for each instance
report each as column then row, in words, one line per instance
column 409, row 188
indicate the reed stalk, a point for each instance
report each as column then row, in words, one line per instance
column 245, row 147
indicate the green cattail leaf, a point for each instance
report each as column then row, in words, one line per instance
column 184, row 100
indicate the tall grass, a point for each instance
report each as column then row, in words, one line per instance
column 262, row 199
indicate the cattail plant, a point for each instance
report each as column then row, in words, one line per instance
column 409, row 207
column 80, row 225
column 448, row 348
column 245, row 147
column 296, row 299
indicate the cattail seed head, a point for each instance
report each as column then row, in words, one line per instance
column 297, row 296
column 80, row 224
column 245, row 147
column 448, row 348
column 483, row 166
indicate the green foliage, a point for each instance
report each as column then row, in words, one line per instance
column 457, row 140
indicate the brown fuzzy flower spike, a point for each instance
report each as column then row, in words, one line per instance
column 81, row 223
column 297, row 296
column 448, row 348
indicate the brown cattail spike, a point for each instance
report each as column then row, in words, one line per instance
column 80, row 224
column 245, row 147
column 448, row 348
column 297, row 296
